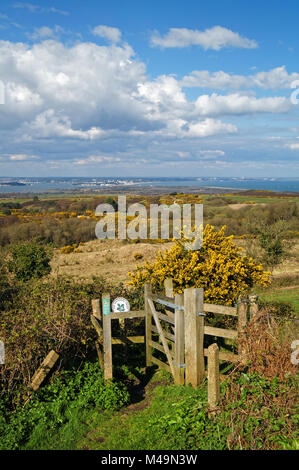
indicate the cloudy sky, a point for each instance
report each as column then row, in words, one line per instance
column 149, row 88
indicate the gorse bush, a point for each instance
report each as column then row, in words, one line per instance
column 56, row 405
column 29, row 260
column 217, row 266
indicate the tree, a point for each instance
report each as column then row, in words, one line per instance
column 217, row 266
column 272, row 240
column 112, row 202
column 29, row 260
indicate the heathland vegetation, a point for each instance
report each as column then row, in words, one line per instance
column 51, row 267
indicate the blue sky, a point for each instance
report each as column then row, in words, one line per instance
column 149, row 88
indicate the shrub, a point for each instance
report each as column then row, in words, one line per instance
column 52, row 313
column 217, row 266
column 267, row 350
column 29, row 260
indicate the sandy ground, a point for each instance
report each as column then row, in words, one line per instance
column 110, row 258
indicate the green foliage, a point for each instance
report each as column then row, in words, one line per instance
column 29, row 260
column 55, row 406
column 254, row 413
column 272, row 240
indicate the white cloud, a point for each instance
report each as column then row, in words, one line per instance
column 23, row 157
column 214, row 38
column 47, row 124
column 19, row 157
column 112, row 34
column 240, row 104
column 293, row 146
column 89, row 104
column 98, row 159
column 37, row 9
column 274, row 79
column 46, row 33
column 208, row 127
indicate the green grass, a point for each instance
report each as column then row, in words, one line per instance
column 177, row 419
column 290, row 296
column 138, row 429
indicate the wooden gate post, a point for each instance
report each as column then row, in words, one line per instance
column 179, row 347
column 168, row 287
column 194, row 335
column 242, row 322
column 213, row 376
column 108, row 372
column 148, row 324
column 253, row 305
column 96, row 312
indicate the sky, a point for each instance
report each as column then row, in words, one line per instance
column 149, row 88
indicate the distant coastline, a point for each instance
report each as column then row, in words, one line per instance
column 99, row 185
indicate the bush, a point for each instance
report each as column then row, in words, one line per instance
column 217, row 266
column 41, row 315
column 29, row 260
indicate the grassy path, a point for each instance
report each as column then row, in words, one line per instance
column 132, row 428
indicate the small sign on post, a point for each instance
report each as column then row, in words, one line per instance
column 2, row 353
column 120, row 304
column 106, row 304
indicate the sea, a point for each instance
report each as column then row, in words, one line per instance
column 73, row 184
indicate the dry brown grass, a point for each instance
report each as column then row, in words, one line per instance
column 267, row 345
column 112, row 259
column 239, row 205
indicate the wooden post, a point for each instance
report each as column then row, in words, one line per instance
column 194, row 335
column 98, row 324
column 148, row 324
column 96, row 310
column 179, row 347
column 242, row 322
column 253, row 305
column 168, row 286
column 42, row 372
column 108, row 372
column 213, row 376
column 168, row 289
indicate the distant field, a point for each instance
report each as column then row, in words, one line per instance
column 289, row 295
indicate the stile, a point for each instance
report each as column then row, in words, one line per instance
column 194, row 336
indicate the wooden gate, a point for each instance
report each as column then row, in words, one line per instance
column 178, row 333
